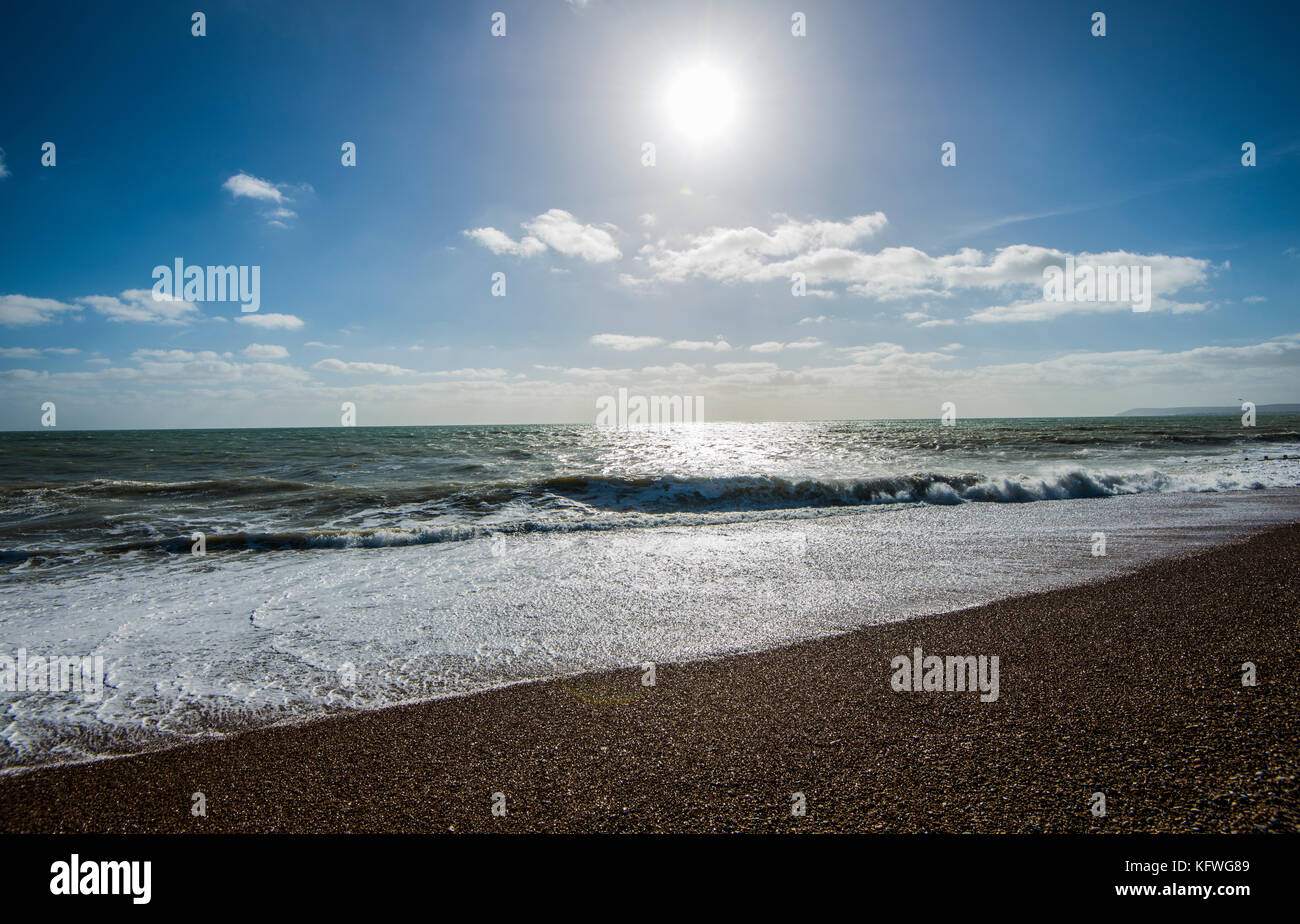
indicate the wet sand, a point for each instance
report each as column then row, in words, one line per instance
column 1130, row 687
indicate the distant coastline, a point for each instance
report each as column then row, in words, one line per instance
column 1229, row 411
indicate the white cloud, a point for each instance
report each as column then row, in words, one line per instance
column 4, row 170
column 23, row 310
column 556, row 229
column 338, row 365
column 1039, row 310
column 204, row 371
column 179, row 356
column 873, row 353
column 717, row 346
column 202, row 368
column 31, row 352
column 746, row 368
column 887, row 381
column 822, row 251
column 472, row 373
column 275, row 195
column 142, row 305
column 241, row 184
column 775, row 346
column 750, row 254
column 675, row 371
column 171, row 371
column 625, row 342
column 499, row 242
column 265, row 351
column 560, row 231
column 270, row 321
column 595, row 372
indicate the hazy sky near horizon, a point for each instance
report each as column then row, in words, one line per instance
column 523, row 154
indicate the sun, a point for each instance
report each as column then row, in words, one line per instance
column 701, row 102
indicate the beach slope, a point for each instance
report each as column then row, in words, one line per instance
column 1131, row 687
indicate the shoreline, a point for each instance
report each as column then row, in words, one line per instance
column 1241, row 534
column 1128, row 686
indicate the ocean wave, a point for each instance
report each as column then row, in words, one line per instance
column 115, row 487
column 655, row 494
column 582, row 503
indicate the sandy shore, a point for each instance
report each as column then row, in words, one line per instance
column 1131, row 687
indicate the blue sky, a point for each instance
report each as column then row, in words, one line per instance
column 522, row 154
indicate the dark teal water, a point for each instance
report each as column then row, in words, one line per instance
column 66, row 493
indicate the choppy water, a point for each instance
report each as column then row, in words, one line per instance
column 97, row 495
column 353, row 568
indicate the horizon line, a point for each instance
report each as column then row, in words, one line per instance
column 1227, row 408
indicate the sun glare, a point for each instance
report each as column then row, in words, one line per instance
column 701, row 102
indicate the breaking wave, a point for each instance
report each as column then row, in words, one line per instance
column 414, row 516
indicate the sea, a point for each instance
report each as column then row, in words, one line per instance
column 231, row 579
